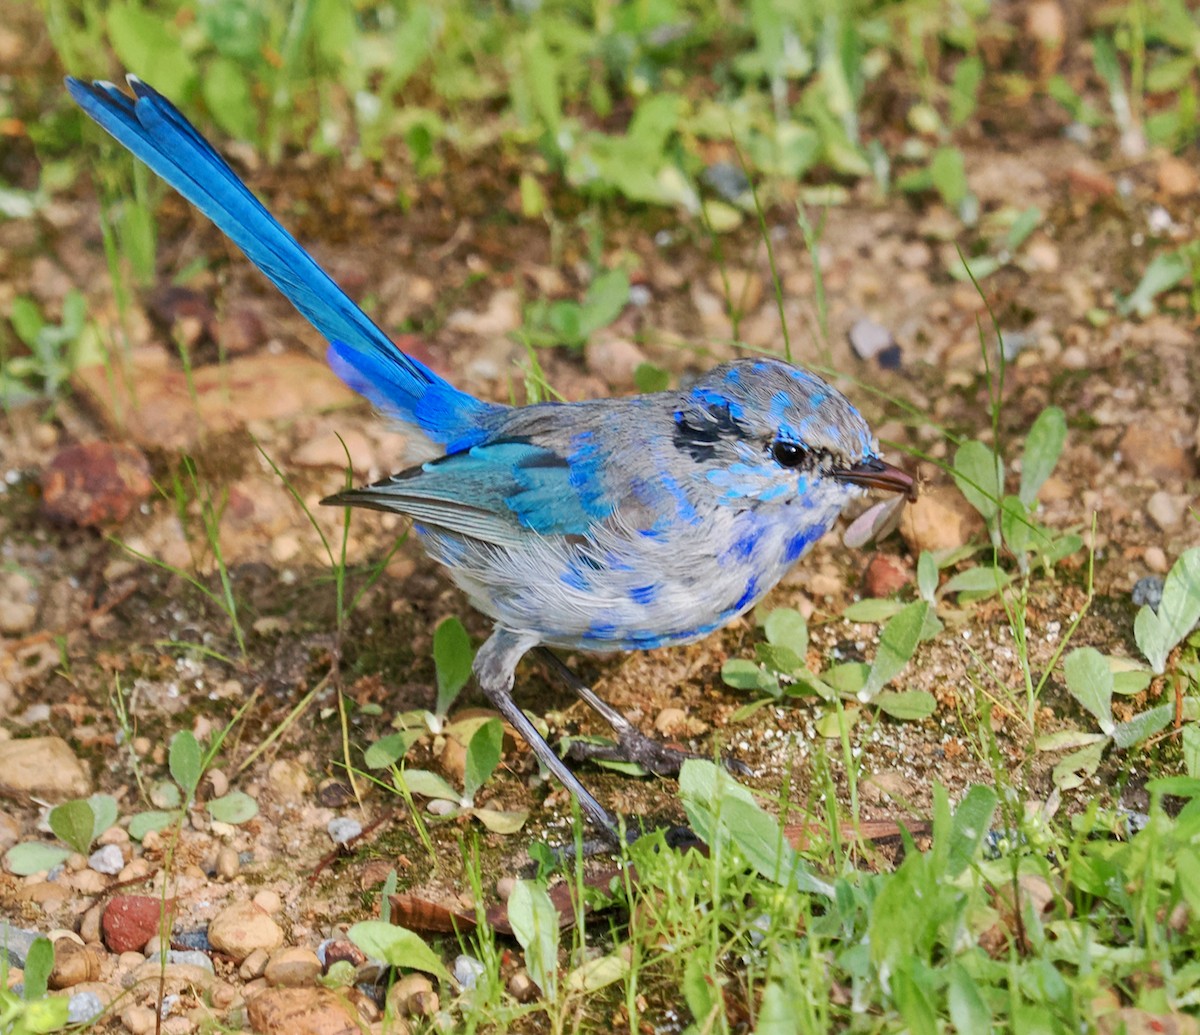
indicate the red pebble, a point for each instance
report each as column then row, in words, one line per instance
column 129, row 921
column 885, row 574
column 95, row 483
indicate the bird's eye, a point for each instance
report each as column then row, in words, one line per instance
column 787, row 454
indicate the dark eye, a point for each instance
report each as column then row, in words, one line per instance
column 787, row 454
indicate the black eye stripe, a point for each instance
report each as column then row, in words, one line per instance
column 788, row 454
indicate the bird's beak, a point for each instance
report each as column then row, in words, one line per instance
column 879, row 474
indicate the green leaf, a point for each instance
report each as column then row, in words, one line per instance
column 1190, row 741
column 235, row 807
column 1090, row 681
column 872, row 611
column 972, row 820
column 982, row 579
column 73, row 822
column 927, row 576
column 501, row 822
column 104, row 813
column 186, row 762
column 227, row 95
column 387, row 751
column 483, row 755
column 786, row 627
column 1043, row 447
column 143, row 823
column 1165, row 271
column 428, row 785
column 535, row 924
column 720, row 810
column 39, row 962
column 968, row 1008
column 34, row 857
column 397, row 947
column 778, row 659
column 948, row 172
column 897, row 643
column 49, row 1013
column 453, row 656
column 907, row 705
column 146, row 45
column 1157, row 634
column 606, row 297
column 1026, row 222
column 979, row 475
column 1143, row 726
column 651, row 378
column 1017, row 527
column 1079, row 765
column 26, row 319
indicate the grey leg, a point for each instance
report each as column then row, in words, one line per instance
column 495, row 665
column 632, row 745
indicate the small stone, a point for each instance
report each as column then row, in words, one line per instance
column 504, row 887
column 1148, row 591
column 468, row 970
column 301, row 1011
column 41, row 767
column 293, row 967
column 339, row 950
column 88, row 882
column 1155, row 558
column 73, row 964
column 1166, row 510
column 95, row 483
column 939, row 520
column 613, row 358
column 741, row 289
column 885, row 575
column 10, row 831
column 268, row 901
column 326, row 450
column 254, row 965
column 453, row 760
column 84, row 1007
column 89, row 925
column 227, row 863
column 130, row 921
column 18, row 604
column 1149, row 450
column 174, row 978
column 288, row 781
column 869, row 339
column 109, row 860
column 669, row 720
column 240, row 928
column 138, row 1019
column 413, row 995
column 1177, row 178
column 521, row 987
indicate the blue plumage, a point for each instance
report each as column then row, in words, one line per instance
column 612, row 524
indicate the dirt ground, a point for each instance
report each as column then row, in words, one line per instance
column 85, row 620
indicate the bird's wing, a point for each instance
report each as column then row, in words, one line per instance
column 498, row 492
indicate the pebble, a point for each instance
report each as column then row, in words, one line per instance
column 670, row 719
column 1151, row 452
column 869, row 339
column 254, row 965
column 18, row 604
column 89, row 925
column 109, row 860
column 939, row 520
column 1148, row 591
column 15, row 943
column 73, row 964
column 1166, row 510
column 240, row 928
column 301, row 1011
column 413, row 995
column 191, row 958
column 10, row 831
column 95, row 483
column 293, row 967
column 138, row 1019
column 343, row 829
column 288, row 781
column 268, row 901
column 1155, row 558
column 613, row 358
column 130, row 921
column 227, row 863
column 175, row 977
column 521, row 987
column 41, row 767
column 885, row 575
column 468, row 970
column 83, row 1007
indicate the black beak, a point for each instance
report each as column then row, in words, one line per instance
column 879, row 474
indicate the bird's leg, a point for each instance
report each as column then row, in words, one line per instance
column 632, row 744
column 495, row 666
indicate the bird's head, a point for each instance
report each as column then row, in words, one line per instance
column 762, row 432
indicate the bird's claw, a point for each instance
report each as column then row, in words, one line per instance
column 653, row 756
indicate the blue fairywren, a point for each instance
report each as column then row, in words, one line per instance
column 605, row 525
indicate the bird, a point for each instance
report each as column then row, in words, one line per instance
column 603, row 525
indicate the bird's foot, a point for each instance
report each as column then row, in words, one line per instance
column 652, row 755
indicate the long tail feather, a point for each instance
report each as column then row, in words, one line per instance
column 359, row 352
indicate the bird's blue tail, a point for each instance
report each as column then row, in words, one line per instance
column 359, row 352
